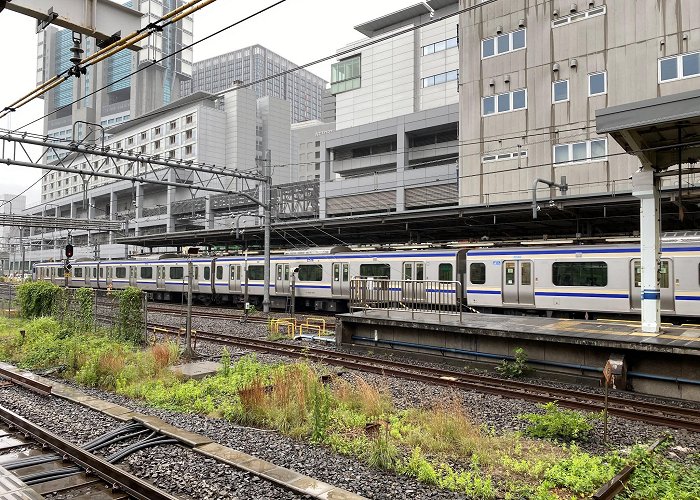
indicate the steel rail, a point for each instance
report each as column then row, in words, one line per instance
column 112, row 474
column 674, row 417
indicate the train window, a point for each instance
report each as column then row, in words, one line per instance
column 664, row 274
column 311, row 272
column 94, row 272
column 580, row 274
column 256, row 272
column 445, row 272
column 346, row 272
column 102, row 272
column 78, row 272
column 177, row 273
column 407, row 271
column 336, row 272
column 207, row 273
column 120, row 272
column 525, row 273
column 279, row 272
column 375, row 270
column 420, row 271
column 238, row 273
column 219, row 272
column 146, row 273
column 477, row 273
column 196, row 272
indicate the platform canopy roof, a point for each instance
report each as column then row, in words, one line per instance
column 654, row 129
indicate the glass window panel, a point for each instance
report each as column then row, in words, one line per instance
column 525, row 273
column 207, row 273
column 256, row 272
column 420, row 271
column 146, row 273
column 440, row 46
column 503, row 103
column 560, row 91
column 561, row 154
column 441, row 78
column 445, row 272
column 375, row 270
column 518, row 39
column 580, row 274
column 477, row 273
column 579, row 151
column 311, row 272
column 489, row 105
column 596, row 83
column 452, row 42
column 428, row 49
column 691, row 64
column 663, row 274
column 219, row 272
column 487, row 47
column 599, row 148
column 177, row 273
column 120, row 272
column 336, row 272
column 407, row 271
column 429, row 81
column 452, row 75
column 503, row 43
column 519, row 99
column 510, row 273
column 669, row 69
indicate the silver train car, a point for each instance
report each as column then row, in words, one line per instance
column 565, row 281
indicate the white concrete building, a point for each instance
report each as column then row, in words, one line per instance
column 395, row 145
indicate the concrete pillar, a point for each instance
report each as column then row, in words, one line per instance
column 401, row 164
column 325, row 176
column 208, row 213
column 645, row 187
column 139, row 201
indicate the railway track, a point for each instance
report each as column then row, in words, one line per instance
column 660, row 414
column 50, row 464
column 203, row 313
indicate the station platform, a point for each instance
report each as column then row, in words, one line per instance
column 665, row 364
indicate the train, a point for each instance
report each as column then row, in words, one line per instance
column 556, row 281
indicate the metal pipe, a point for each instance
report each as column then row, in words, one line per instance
column 563, row 186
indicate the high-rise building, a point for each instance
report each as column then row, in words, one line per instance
column 301, row 88
column 124, row 96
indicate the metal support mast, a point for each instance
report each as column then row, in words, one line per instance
column 267, row 190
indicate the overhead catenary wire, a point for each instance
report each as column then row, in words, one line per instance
column 157, row 61
column 115, row 47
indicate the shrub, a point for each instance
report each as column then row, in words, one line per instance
column 516, row 368
column 558, row 424
column 129, row 324
column 583, row 473
column 37, row 299
column 85, row 316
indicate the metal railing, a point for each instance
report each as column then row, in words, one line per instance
column 433, row 297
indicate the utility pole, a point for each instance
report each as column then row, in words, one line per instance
column 188, row 353
column 267, row 190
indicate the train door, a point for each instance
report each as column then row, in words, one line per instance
column 518, row 282
column 666, row 282
column 88, row 271
column 282, row 278
column 108, row 276
column 160, row 277
column 341, row 278
column 132, row 275
column 234, row 282
column 414, row 284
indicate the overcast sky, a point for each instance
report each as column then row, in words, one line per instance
column 299, row 30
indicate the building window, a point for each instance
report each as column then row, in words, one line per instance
column 679, row 67
column 440, row 46
column 143, row 136
column 173, row 125
column 345, row 75
column 188, row 134
column 156, row 145
column 171, row 154
column 130, row 141
column 579, row 16
column 450, row 76
column 143, row 149
column 580, row 274
column 597, row 83
column 503, row 156
column 171, row 139
column 188, row 150
column 504, row 103
column 501, row 44
column 189, row 119
column 156, row 131
column 584, row 151
column 560, row 91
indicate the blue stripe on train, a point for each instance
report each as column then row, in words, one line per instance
column 584, row 294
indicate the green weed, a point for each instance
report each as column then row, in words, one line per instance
column 516, row 368
column 558, row 424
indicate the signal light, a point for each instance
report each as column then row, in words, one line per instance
column 69, row 251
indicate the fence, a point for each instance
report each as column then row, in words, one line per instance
column 128, row 319
column 437, row 297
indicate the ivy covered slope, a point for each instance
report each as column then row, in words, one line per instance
column 438, row 444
